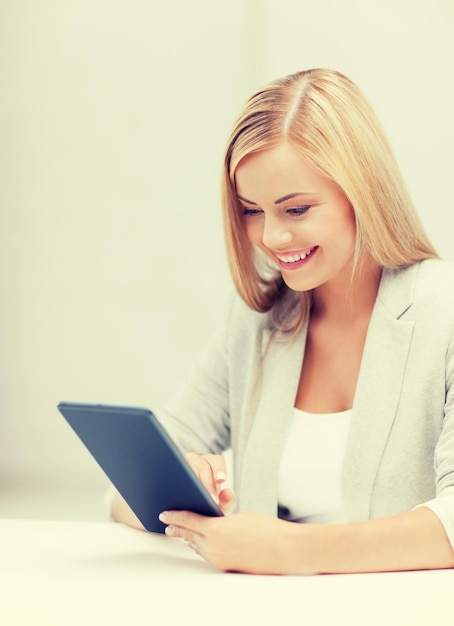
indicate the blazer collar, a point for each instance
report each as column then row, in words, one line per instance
column 396, row 291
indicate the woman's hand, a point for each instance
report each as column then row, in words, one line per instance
column 211, row 470
column 244, row 542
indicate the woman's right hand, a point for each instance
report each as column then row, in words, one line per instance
column 211, row 469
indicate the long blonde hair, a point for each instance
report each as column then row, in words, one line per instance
column 328, row 119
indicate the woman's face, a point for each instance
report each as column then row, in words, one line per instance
column 299, row 218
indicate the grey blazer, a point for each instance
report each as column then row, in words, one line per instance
column 400, row 449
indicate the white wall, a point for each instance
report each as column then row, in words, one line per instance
column 113, row 120
column 113, row 117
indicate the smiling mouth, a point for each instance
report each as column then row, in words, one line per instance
column 297, row 259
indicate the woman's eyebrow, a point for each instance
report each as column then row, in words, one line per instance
column 289, row 196
column 246, row 200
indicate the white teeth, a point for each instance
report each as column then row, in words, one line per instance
column 293, row 257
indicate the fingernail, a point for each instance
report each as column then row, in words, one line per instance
column 163, row 516
column 169, row 530
column 221, row 476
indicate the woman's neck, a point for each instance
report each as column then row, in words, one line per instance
column 352, row 298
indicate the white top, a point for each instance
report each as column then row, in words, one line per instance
column 311, row 467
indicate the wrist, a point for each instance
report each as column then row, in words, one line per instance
column 294, row 549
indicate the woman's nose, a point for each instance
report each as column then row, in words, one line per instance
column 275, row 234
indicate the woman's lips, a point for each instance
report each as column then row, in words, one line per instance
column 297, row 259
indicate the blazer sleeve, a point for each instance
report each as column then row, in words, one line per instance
column 443, row 504
column 197, row 416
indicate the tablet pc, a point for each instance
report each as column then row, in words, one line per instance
column 140, row 459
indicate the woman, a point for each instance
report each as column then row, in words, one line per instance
column 332, row 379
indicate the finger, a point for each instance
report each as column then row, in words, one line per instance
column 218, row 467
column 210, row 469
column 227, row 500
column 192, row 545
column 182, row 523
column 180, row 533
column 204, row 473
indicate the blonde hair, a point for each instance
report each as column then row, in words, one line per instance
column 328, row 119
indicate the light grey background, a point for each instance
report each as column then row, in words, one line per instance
column 113, row 120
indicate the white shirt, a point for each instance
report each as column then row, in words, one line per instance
column 311, row 467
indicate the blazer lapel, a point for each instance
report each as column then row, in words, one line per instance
column 378, row 389
column 281, row 367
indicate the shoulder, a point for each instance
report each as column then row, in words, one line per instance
column 425, row 294
column 435, row 283
column 243, row 321
column 428, row 283
column 277, row 321
column 436, row 268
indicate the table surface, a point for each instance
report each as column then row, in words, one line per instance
column 63, row 573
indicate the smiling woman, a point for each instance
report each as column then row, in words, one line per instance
column 332, row 377
column 322, row 117
column 301, row 228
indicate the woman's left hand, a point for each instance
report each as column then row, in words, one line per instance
column 243, row 542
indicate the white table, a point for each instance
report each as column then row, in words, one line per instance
column 67, row 573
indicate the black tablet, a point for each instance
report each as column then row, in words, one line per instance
column 140, row 459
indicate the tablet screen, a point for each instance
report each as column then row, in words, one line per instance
column 138, row 456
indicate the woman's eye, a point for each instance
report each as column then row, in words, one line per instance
column 298, row 210
column 248, row 212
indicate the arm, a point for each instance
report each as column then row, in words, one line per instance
column 409, row 541
column 254, row 543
